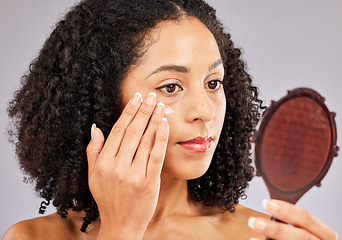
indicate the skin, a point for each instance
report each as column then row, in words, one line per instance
column 138, row 174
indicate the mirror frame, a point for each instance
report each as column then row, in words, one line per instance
column 257, row 138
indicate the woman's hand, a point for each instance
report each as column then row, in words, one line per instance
column 124, row 173
column 303, row 224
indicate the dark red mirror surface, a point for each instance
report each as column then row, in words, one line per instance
column 294, row 144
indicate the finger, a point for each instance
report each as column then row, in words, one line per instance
column 298, row 217
column 136, row 129
column 157, row 156
column 146, row 144
column 118, row 131
column 94, row 147
column 277, row 230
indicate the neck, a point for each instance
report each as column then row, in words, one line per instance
column 173, row 198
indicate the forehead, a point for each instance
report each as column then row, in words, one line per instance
column 180, row 42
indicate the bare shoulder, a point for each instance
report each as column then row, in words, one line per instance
column 245, row 212
column 235, row 224
column 20, row 230
column 48, row 227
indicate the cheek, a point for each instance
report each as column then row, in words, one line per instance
column 222, row 110
column 220, row 114
column 219, row 104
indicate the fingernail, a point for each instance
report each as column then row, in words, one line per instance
column 160, row 108
column 251, row 221
column 254, row 239
column 270, row 205
column 257, row 224
column 163, row 124
column 137, row 99
column 92, row 133
column 151, row 98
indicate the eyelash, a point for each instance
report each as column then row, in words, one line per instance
column 177, row 85
column 163, row 88
column 219, row 86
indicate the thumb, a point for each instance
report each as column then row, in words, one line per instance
column 94, row 147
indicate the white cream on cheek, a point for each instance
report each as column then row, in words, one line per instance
column 168, row 110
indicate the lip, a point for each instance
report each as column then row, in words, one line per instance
column 199, row 144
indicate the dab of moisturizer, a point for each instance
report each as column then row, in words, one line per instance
column 168, row 110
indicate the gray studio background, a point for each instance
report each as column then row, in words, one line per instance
column 286, row 44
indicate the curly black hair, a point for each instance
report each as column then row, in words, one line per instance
column 74, row 82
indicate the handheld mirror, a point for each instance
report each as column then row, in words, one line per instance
column 295, row 143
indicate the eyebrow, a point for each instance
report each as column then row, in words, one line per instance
column 181, row 69
column 215, row 64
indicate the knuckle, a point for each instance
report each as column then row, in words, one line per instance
column 136, row 183
column 149, row 189
column 277, row 229
column 130, row 111
column 102, row 169
column 306, row 236
column 88, row 149
column 308, row 218
column 162, row 137
column 119, row 175
column 132, row 131
column 154, row 121
column 157, row 157
column 147, row 143
column 109, row 172
column 145, row 111
column 118, row 129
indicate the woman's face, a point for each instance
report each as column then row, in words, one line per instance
column 183, row 67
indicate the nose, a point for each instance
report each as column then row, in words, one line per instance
column 200, row 107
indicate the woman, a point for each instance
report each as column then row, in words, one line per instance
column 176, row 161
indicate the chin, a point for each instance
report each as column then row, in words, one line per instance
column 187, row 169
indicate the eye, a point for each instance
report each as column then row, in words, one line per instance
column 170, row 88
column 214, row 84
